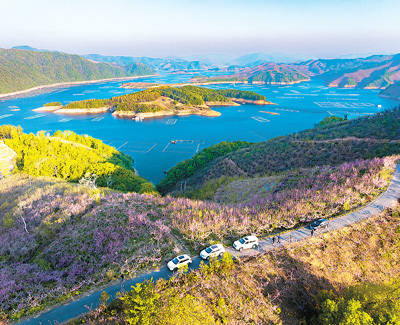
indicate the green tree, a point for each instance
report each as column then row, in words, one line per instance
column 185, row 310
column 364, row 304
column 142, row 304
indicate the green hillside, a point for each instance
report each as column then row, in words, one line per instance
column 69, row 156
column 20, row 69
column 330, row 144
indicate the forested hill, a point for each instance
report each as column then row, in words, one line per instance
column 331, row 142
column 21, row 69
column 71, row 157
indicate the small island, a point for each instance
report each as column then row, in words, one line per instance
column 165, row 101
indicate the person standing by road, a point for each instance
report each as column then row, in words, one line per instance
column 273, row 240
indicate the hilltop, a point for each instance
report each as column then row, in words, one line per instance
column 24, row 69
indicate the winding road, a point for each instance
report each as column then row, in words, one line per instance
column 79, row 307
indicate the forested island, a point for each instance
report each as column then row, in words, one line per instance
column 164, row 101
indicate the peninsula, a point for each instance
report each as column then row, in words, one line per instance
column 165, row 101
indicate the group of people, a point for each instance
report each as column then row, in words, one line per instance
column 278, row 239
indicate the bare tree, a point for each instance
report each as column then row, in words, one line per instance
column 88, row 181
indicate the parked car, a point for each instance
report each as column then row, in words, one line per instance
column 319, row 224
column 245, row 243
column 212, row 251
column 178, row 262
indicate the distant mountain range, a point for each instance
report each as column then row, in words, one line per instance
column 202, row 61
column 167, row 64
column 23, row 69
column 374, row 72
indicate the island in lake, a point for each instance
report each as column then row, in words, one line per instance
column 162, row 101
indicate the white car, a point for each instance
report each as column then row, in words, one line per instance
column 212, row 251
column 246, row 242
column 178, row 262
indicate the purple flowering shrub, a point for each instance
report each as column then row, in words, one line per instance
column 300, row 197
column 73, row 242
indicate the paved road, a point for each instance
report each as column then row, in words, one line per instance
column 79, row 307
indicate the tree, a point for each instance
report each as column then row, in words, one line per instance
column 185, row 310
column 364, row 304
column 145, row 306
column 142, row 304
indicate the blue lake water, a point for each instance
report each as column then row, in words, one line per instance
column 149, row 142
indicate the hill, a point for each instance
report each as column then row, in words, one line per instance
column 332, row 144
column 72, row 157
column 23, row 69
column 393, row 91
column 29, row 48
column 59, row 239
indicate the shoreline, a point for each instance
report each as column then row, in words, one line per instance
column 388, row 97
column 132, row 115
column 79, row 111
column 46, row 88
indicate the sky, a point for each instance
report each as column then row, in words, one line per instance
column 159, row 28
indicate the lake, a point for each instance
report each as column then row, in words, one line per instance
column 299, row 107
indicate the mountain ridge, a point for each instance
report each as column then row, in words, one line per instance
column 24, row 69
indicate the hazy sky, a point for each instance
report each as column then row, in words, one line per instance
column 324, row 28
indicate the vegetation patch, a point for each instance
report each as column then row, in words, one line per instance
column 58, row 240
column 70, row 156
